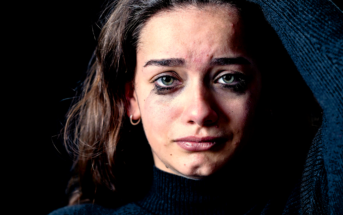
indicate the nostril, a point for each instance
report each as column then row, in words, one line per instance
column 206, row 122
column 210, row 121
column 191, row 122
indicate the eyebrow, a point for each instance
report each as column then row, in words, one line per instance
column 228, row 61
column 166, row 62
column 214, row 62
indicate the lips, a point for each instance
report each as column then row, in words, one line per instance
column 196, row 144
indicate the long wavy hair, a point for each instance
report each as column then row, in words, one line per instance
column 112, row 158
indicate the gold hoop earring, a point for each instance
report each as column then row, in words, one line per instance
column 134, row 123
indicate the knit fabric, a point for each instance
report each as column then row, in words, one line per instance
column 312, row 33
column 172, row 194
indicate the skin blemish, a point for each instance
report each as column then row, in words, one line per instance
column 171, row 155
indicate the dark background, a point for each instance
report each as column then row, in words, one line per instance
column 69, row 41
column 51, row 42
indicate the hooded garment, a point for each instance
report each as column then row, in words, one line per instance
column 311, row 31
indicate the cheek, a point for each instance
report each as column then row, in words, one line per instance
column 244, row 119
column 239, row 113
column 244, row 107
column 159, row 114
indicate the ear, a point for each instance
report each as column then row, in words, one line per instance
column 132, row 107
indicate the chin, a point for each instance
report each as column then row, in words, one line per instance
column 197, row 171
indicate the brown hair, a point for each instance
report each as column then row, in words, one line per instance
column 113, row 159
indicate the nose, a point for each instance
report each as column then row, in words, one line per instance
column 199, row 107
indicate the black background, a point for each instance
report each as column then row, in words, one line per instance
column 50, row 45
column 70, row 39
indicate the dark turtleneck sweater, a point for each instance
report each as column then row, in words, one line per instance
column 217, row 194
column 172, row 194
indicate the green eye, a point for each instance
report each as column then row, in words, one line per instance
column 167, row 80
column 236, row 82
column 166, row 84
column 228, row 79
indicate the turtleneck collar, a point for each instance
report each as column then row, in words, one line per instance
column 173, row 194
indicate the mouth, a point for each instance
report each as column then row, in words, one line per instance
column 197, row 144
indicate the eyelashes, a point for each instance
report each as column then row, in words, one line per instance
column 166, row 81
column 166, row 84
column 236, row 82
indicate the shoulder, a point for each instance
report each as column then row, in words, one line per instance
column 93, row 209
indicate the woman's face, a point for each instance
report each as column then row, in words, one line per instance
column 195, row 88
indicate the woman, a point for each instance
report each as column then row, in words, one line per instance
column 206, row 92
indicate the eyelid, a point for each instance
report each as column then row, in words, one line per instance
column 162, row 85
column 158, row 79
column 226, row 72
column 167, row 73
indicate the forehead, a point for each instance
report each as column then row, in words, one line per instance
column 192, row 30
